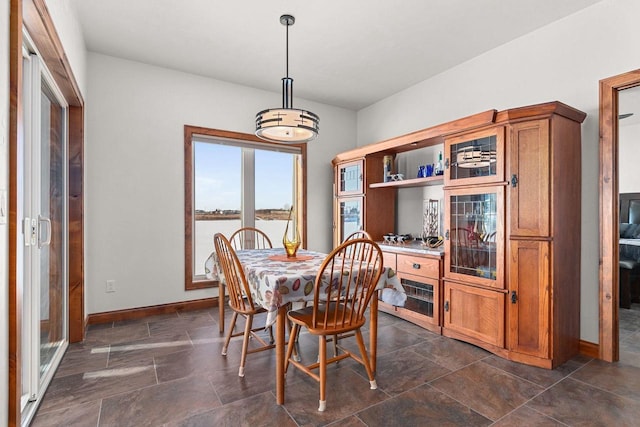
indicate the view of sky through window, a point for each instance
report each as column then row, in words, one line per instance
column 218, row 175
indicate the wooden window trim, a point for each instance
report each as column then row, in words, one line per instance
column 189, row 132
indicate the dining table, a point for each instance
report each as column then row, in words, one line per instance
column 276, row 280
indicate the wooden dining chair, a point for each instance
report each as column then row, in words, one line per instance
column 343, row 290
column 360, row 234
column 250, row 238
column 240, row 301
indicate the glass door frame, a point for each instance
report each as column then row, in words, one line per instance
column 498, row 238
column 499, row 156
column 33, row 382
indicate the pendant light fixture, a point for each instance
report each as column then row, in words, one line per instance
column 287, row 124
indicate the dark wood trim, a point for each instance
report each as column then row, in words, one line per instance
column 189, row 132
column 189, row 282
column 76, row 224
column 15, row 135
column 589, row 349
column 154, row 310
column 609, row 215
column 39, row 24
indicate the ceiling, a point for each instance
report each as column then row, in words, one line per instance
column 343, row 53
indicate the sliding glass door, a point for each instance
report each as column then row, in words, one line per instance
column 42, row 159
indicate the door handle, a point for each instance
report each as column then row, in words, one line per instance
column 514, row 297
column 47, row 241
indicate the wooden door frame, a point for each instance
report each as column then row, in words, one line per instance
column 34, row 16
column 609, row 212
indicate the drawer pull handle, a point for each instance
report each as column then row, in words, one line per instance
column 416, row 266
column 446, row 306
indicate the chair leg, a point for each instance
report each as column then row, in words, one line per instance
column 365, row 359
column 290, row 325
column 323, row 372
column 271, row 340
column 245, row 343
column 293, row 335
column 335, row 345
column 231, row 327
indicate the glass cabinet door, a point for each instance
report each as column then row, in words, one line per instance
column 475, row 158
column 350, row 178
column 350, row 216
column 474, row 239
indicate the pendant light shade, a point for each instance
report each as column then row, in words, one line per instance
column 287, row 124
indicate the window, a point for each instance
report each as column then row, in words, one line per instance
column 235, row 180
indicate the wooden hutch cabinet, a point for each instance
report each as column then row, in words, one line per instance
column 509, row 277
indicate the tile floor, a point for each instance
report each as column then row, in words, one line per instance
column 168, row 371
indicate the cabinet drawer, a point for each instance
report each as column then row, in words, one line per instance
column 419, row 266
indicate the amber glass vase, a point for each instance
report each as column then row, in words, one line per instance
column 291, row 239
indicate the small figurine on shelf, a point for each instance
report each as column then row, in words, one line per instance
column 421, row 173
column 439, row 170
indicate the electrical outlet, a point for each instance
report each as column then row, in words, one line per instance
column 111, row 286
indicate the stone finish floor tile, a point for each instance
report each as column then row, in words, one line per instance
column 578, row 404
column 259, row 410
column 84, row 415
column 527, row 417
column 403, row 370
column 177, row 377
column 149, row 347
column 450, row 353
column 542, row 377
column 97, row 384
column 117, row 335
column 423, row 406
column 347, row 393
column 160, row 403
column 486, row 389
column 618, row 378
column 81, row 358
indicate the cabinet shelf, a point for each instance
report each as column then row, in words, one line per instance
column 414, row 182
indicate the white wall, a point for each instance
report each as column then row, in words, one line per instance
column 134, row 206
column 4, row 229
column 629, row 153
column 68, row 28
column 563, row 61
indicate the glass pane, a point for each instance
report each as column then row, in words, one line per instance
column 473, row 158
column 350, row 216
column 350, row 178
column 472, row 235
column 53, row 254
column 419, row 297
column 275, row 190
column 217, row 197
